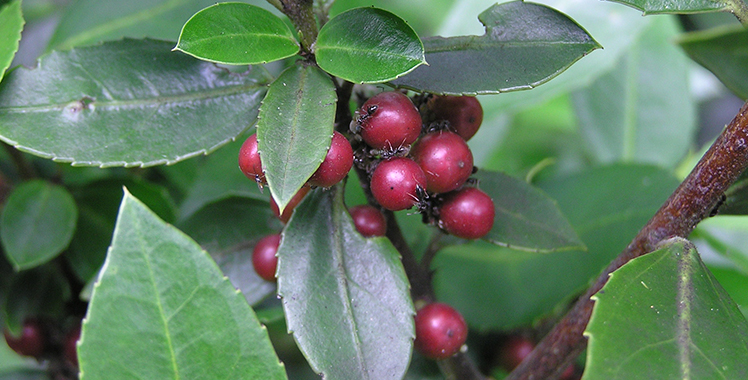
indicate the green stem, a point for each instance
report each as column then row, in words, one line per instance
column 740, row 10
column 301, row 13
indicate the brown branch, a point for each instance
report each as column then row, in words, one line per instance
column 693, row 201
column 301, row 13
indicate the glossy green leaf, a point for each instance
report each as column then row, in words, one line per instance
column 237, row 34
column 228, row 229
column 162, row 309
column 722, row 51
column 642, row 110
column 39, row 292
column 37, row 223
column 346, row 298
column 526, row 218
column 525, row 45
column 126, row 103
column 295, row 128
column 368, row 45
column 665, row 316
column 650, row 7
column 728, row 237
column 11, row 24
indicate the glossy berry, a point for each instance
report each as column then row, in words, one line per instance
column 514, row 351
column 369, row 221
column 263, row 256
column 290, row 207
column 445, row 159
column 440, row 331
column 395, row 183
column 336, row 164
column 464, row 113
column 69, row 349
column 249, row 160
column 389, row 120
column 31, row 342
column 467, row 213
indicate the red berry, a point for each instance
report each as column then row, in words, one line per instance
column 514, row 351
column 263, row 256
column 337, row 163
column 467, row 213
column 445, row 159
column 369, row 221
column 249, row 160
column 70, row 350
column 31, row 342
column 389, row 120
column 395, row 183
column 464, row 113
column 440, row 331
column 290, row 206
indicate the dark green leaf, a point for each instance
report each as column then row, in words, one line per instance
column 727, row 236
column 237, row 34
column 37, row 223
column 29, row 374
column 676, row 6
column 525, row 45
column 642, row 110
column 665, row 316
column 735, row 283
column 722, row 51
column 162, row 309
column 526, row 218
column 368, row 45
column 126, row 103
column 295, row 128
column 11, row 24
column 38, row 292
column 346, row 297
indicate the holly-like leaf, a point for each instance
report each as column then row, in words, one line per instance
column 651, row 7
column 162, row 309
column 665, row 316
column 126, row 103
column 526, row 218
column 346, row 298
column 11, row 24
column 721, row 51
column 368, row 45
column 525, row 45
column 37, row 223
column 237, row 34
column 295, row 128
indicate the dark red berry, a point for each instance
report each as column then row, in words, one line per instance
column 71, row 339
column 389, row 120
column 263, row 256
column 337, row 163
column 249, row 160
column 290, row 206
column 395, row 183
column 32, row 340
column 440, row 331
column 369, row 221
column 514, row 351
column 464, row 113
column 445, row 159
column 467, row 213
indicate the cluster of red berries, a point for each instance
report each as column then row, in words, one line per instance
column 36, row 341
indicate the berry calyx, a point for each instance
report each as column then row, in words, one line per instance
column 263, row 257
column 32, row 340
column 395, row 183
column 440, row 331
column 388, row 121
column 445, row 159
column 69, row 349
column 249, row 160
column 467, row 213
column 290, row 206
column 336, row 164
column 369, row 221
column 464, row 113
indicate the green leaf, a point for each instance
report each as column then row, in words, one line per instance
column 126, row 103
column 665, row 316
column 735, row 283
column 11, row 24
column 346, row 298
column 368, row 45
column 295, row 128
column 162, row 309
column 525, row 45
column 237, row 34
column 37, row 223
column 651, row 7
column 642, row 110
column 728, row 237
column 722, row 51
column 526, row 218
column 39, row 292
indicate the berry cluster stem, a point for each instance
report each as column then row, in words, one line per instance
column 694, row 200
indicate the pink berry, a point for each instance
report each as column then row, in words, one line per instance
column 467, row 213
column 263, row 256
column 440, row 331
column 464, row 113
column 336, row 164
column 369, row 221
column 445, row 159
column 249, row 160
column 389, row 120
column 395, row 183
